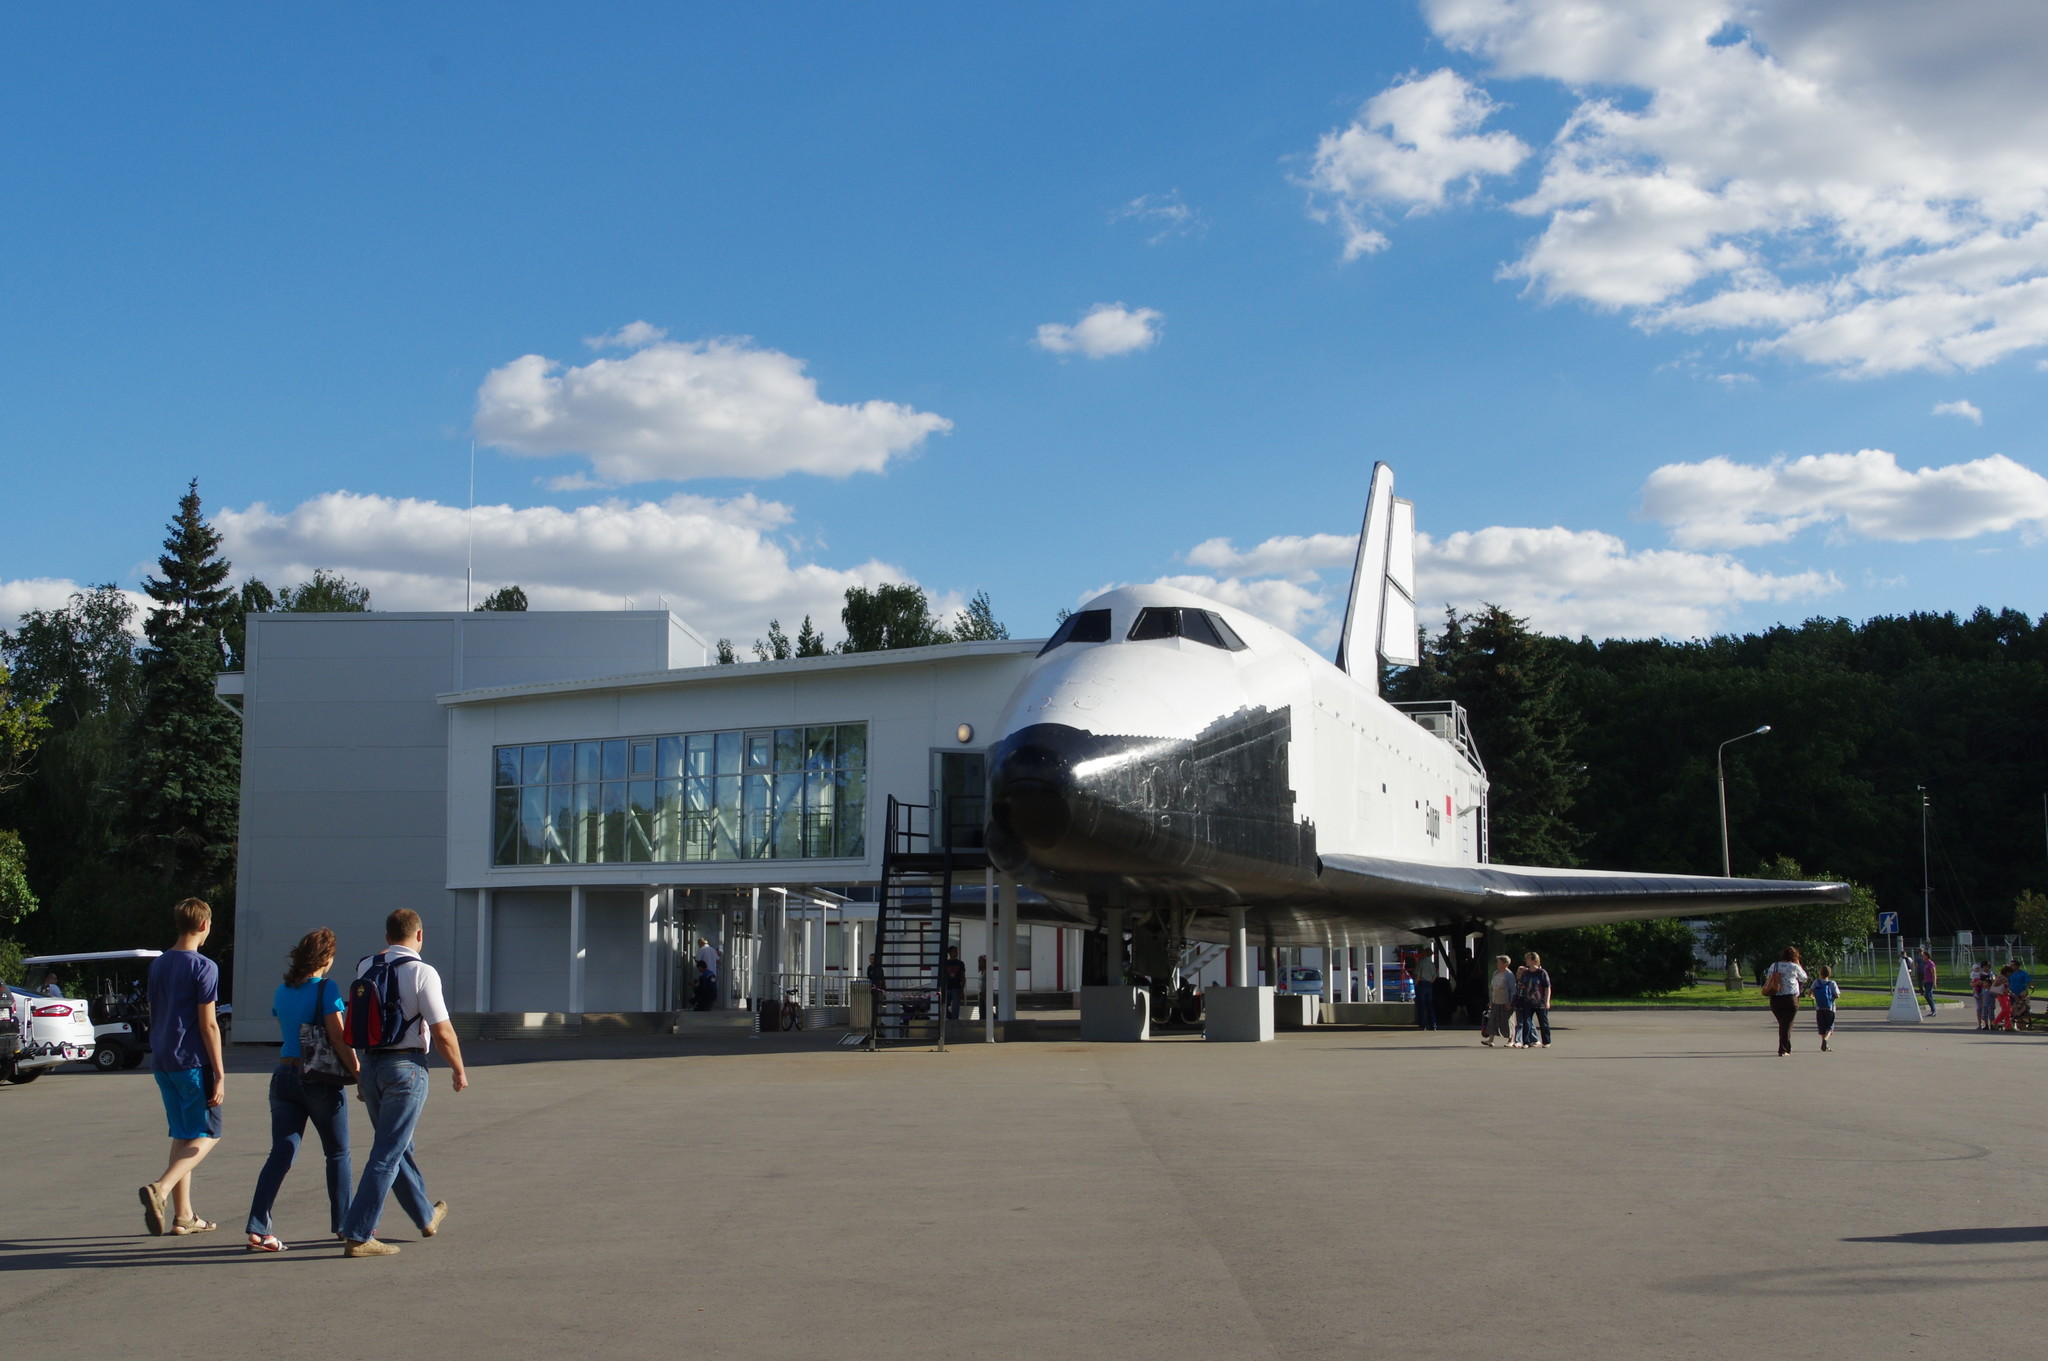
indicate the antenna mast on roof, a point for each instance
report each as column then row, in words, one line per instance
column 469, row 523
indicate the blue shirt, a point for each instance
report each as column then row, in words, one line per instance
column 2018, row 982
column 180, row 982
column 302, row 1005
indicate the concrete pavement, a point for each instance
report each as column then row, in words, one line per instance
column 1656, row 1184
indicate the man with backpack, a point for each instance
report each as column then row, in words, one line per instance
column 395, row 1013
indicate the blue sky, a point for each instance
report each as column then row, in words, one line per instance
column 1580, row 280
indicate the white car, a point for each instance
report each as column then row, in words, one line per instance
column 45, row 1032
column 116, row 981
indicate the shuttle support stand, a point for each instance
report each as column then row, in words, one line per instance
column 1115, row 1012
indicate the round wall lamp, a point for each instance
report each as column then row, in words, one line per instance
column 965, row 732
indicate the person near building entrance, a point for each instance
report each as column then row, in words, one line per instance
column 1425, row 991
column 704, row 990
column 184, row 1046
column 955, row 976
column 394, row 1082
column 1923, row 972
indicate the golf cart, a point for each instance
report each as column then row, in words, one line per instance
column 116, row 985
column 38, row 1033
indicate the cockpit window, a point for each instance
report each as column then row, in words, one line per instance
column 1197, row 626
column 1089, row 626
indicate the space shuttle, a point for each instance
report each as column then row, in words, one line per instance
column 1165, row 752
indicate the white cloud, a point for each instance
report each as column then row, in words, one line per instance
column 24, row 594
column 1588, row 582
column 1164, row 215
column 1561, row 580
column 1284, row 555
column 713, row 560
column 709, row 408
column 1408, row 146
column 1720, row 503
column 1859, row 184
column 1966, row 409
column 1110, row 328
column 634, row 335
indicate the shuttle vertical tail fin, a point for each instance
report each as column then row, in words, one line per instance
column 1379, row 620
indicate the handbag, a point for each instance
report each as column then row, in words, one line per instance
column 1774, row 982
column 318, row 1063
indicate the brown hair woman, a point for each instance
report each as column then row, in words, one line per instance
column 1783, row 982
column 306, row 997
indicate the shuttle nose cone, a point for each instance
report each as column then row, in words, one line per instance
column 1029, row 788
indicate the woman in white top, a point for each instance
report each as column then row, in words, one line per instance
column 1783, row 982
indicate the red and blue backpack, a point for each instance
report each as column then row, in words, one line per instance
column 375, row 1017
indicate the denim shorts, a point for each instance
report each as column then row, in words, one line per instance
column 184, row 1093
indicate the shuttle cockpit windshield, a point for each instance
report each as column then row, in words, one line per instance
column 1197, row 626
column 1089, row 626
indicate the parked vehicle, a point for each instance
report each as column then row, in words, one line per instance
column 116, row 988
column 1303, row 981
column 44, row 1032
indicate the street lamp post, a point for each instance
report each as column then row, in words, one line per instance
column 1721, row 781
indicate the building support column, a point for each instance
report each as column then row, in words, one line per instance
column 650, row 934
column 754, row 959
column 576, row 950
column 1006, row 901
column 483, row 949
column 1113, row 957
column 989, row 955
column 1240, row 950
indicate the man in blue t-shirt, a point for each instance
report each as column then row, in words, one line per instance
column 184, row 1042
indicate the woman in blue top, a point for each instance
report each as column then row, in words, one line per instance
column 306, row 997
column 1826, row 992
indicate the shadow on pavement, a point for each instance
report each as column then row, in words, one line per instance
column 2037, row 1233
column 84, row 1254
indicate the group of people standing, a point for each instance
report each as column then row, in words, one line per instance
column 1518, row 1003
column 316, row 1065
column 2001, row 994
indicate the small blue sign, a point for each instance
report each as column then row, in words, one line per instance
column 1887, row 923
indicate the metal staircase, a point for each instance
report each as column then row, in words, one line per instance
column 914, row 910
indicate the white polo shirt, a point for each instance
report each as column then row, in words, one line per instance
column 419, row 997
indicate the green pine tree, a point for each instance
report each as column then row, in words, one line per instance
column 327, row 593
column 1511, row 682
column 809, row 642
column 185, row 755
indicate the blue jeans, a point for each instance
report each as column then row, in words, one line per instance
column 1529, row 1016
column 395, row 1092
column 292, row 1104
column 1927, row 991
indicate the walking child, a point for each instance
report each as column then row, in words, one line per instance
column 1826, row 992
column 184, row 1045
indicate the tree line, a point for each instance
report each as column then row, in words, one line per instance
column 1603, row 754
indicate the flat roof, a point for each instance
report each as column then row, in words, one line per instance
column 745, row 671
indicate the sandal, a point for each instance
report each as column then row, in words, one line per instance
column 269, row 1242
column 154, row 1213
column 181, row 1227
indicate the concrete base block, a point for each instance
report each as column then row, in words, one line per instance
column 1373, row 1013
column 1115, row 1015
column 1293, row 1011
column 1237, row 1014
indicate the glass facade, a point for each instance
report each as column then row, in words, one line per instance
column 757, row 794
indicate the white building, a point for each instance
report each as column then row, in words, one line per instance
column 570, row 800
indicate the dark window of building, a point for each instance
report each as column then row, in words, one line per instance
column 1089, row 626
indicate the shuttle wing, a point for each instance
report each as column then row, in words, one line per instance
column 1521, row 898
